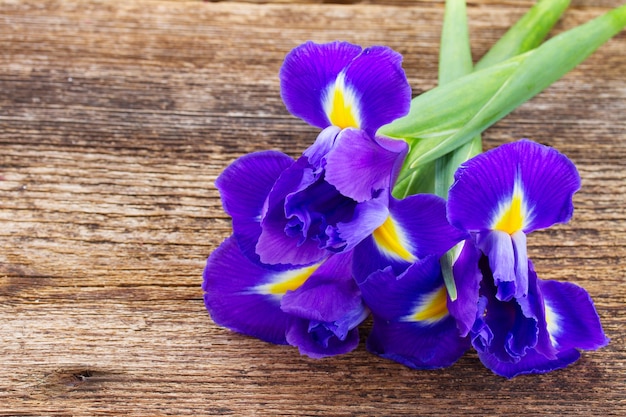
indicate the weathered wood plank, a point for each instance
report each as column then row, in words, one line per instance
column 116, row 117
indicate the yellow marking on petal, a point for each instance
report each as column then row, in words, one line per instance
column 388, row 238
column 287, row 281
column 341, row 105
column 433, row 306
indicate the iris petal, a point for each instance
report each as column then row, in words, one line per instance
column 306, row 74
column 520, row 184
column 380, row 84
column 415, row 228
column 411, row 325
column 230, row 296
column 244, row 186
column 571, row 316
column 356, row 152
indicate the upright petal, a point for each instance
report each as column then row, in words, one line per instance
column 520, row 186
column 307, row 73
column 317, row 341
column 361, row 167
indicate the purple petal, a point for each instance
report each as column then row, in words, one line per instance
column 530, row 183
column 244, row 186
column 361, row 167
column 498, row 247
column 408, row 327
column 275, row 245
column 317, row 341
column 531, row 363
column 467, row 278
column 416, row 346
column 423, row 218
column 416, row 227
column 367, row 217
column 229, row 282
column 324, row 142
column 306, row 74
column 571, row 316
column 329, row 293
column 380, row 83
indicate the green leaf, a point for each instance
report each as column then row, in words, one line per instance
column 452, row 114
column 526, row 34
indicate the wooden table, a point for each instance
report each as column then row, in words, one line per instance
column 115, row 119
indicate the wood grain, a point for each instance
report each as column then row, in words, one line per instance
column 116, row 118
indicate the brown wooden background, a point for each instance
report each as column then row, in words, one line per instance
column 115, row 119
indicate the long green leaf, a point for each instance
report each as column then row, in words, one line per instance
column 448, row 116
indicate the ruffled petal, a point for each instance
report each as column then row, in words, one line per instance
column 317, row 341
column 282, row 241
column 572, row 320
column 232, row 299
column 379, row 82
column 307, row 73
column 467, row 278
column 411, row 321
column 531, row 363
column 517, row 186
column 361, row 167
column 244, row 186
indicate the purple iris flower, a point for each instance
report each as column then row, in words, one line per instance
column 337, row 193
column 399, row 274
column 518, row 323
column 316, row 307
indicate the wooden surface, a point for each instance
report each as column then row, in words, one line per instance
column 115, row 119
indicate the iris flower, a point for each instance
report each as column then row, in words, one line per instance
column 337, row 193
column 517, row 322
column 399, row 274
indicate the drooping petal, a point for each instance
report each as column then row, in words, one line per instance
column 307, row 73
column 230, row 279
column 415, row 228
column 531, row 363
column 244, row 186
column 517, row 186
column 572, row 320
column 412, row 324
column 467, row 278
column 329, row 293
column 361, row 167
column 380, row 84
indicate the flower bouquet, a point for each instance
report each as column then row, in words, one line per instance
column 395, row 212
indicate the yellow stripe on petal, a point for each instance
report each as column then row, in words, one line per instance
column 287, row 281
column 512, row 215
column 389, row 240
column 432, row 308
column 341, row 105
